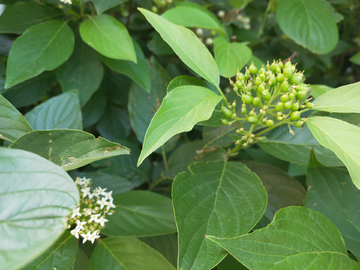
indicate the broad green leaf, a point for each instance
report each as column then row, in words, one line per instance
column 83, row 71
column 180, row 110
column 102, row 5
column 68, row 148
column 221, row 135
column 93, row 109
column 296, row 148
column 109, row 37
column 223, row 199
column 355, row 58
column 158, row 46
column 332, row 193
column 2, row 84
column 141, row 213
column 282, row 189
column 62, row 111
column 38, row 196
column 12, row 123
column 340, row 137
column 189, row 80
column 193, row 15
column 337, row 16
column 22, row 15
column 230, row 57
column 297, row 237
column 114, row 125
column 43, row 47
column 309, row 23
column 142, row 106
column 166, row 244
column 187, row 46
column 317, row 90
column 60, row 255
column 116, row 87
column 139, row 71
column 344, row 99
column 30, row 91
column 82, row 261
column 351, row 118
column 127, row 253
column 239, row 4
column 230, row 263
column 259, row 155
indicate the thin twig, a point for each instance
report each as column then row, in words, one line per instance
column 128, row 18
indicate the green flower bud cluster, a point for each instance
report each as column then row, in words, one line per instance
column 160, row 6
column 273, row 94
column 89, row 216
column 206, row 36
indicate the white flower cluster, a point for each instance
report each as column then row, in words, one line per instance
column 89, row 217
column 245, row 21
column 66, row 1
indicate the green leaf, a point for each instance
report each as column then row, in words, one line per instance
column 93, row 109
column 12, row 123
column 30, row 91
column 62, row 111
column 193, row 15
column 344, row 99
column 68, row 148
column 109, row 37
column 83, row 71
column 296, row 148
column 332, row 193
column 355, row 58
column 221, row 135
column 297, row 237
column 239, row 4
column 340, row 137
column 139, row 71
column 102, row 5
column 230, row 57
column 166, row 244
column 141, row 213
column 38, row 196
column 82, row 261
column 317, row 90
column 230, row 263
column 187, row 46
column 43, row 47
column 219, row 198
column 309, row 23
column 158, row 46
column 127, row 253
column 189, row 80
column 22, row 15
column 180, row 110
column 60, row 255
column 114, row 124
column 116, row 87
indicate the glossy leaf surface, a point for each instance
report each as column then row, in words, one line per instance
column 218, row 198
column 180, row 110
column 58, row 145
column 102, row 5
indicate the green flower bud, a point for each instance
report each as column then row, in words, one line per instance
column 269, row 123
column 243, row 111
column 284, row 87
column 280, row 77
column 256, row 101
column 295, row 116
column 291, row 96
column 296, row 78
column 295, row 106
column 299, row 124
column 300, row 95
column 252, row 69
column 266, row 95
column 253, row 119
column 287, row 105
column 247, row 99
column 288, row 73
column 284, row 98
column 309, row 105
column 279, row 106
column 273, row 67
column 224, row 121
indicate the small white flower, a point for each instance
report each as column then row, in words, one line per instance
column 78, row 181
column 108, row 195
column 102, row 203
column 110, row 205
column 85, row 181
column 93, row 218
column 86, row 237
column 75, row 232
column 85, row 191
column 102, row 221
column 221, row 14
column 66, row 1
column 199, row 32
column 94, row 235
column 79, row 225
column 76, row 213
column 87, row 211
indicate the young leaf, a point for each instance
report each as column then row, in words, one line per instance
column 318, row 89
column 103, row 5
column 180, row 110
column 187, row 46
column 344, row 99
column 340, row 137
column 355, row 58
column 127, row 253
column 309, row 23
column 141, row 213
column 83, row 71
column 218, row 198
column 22, row 15
column 13, row 124
column 297, row 237
column 230, row 57
column 62, row 111
column 332, row 193
column 38, row 196
column 109, row 37
column 193, row 15
column 43, row 47
column 60, row 255
column 68, row 148
column 139, row 72
column 296, row 148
